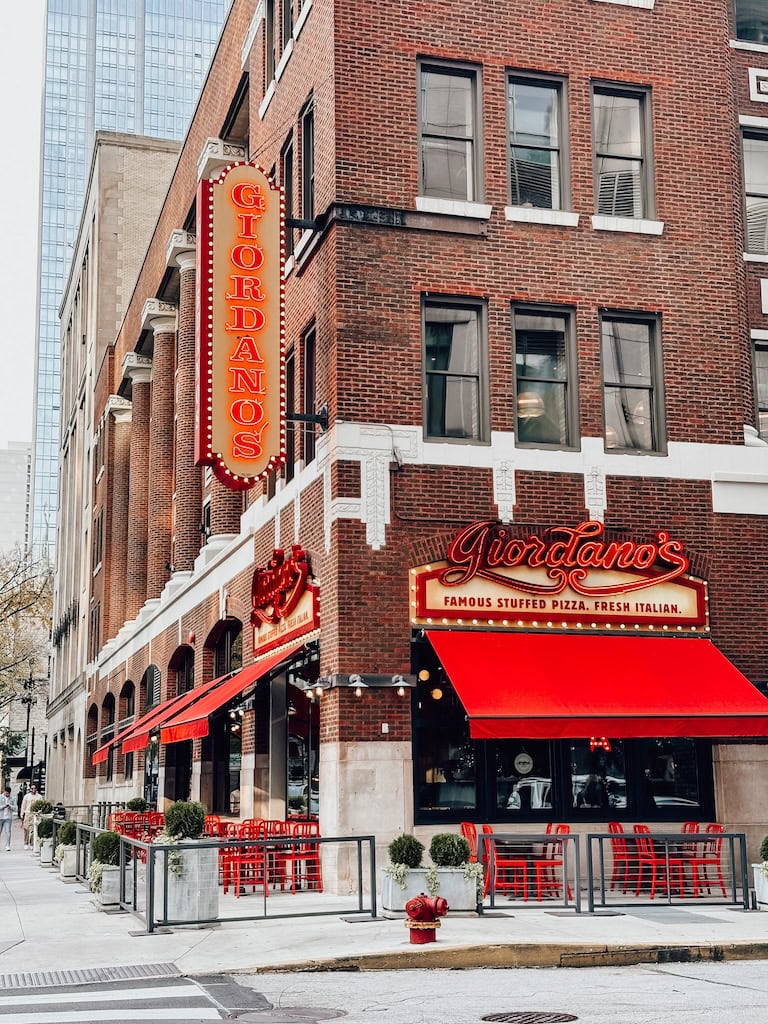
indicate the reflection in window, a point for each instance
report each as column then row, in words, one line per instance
column 541, row 360
column 628, row 384
column 756, row 192
column 452, row 356
column 534, row 130
column 445, row 768
column 761, row 386
column 670, row 774
column 523, row 776
column 598, row 777
column 752, row 21
column 618, row 120
column 447, row 141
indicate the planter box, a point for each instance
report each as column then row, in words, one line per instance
column 46, row 853
column 460, row 892
column 194, row 894
column 761, row 887
column 67, row 864
column 109, row 895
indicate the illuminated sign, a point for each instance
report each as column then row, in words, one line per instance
column 240, row 398
column 284, row 604
column 567, row 578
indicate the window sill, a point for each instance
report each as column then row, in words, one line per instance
column 756, row 257
column 284, row 61
column 655, row 454
column 742, row 44
column 290, row 263
column 100, row 474
column 646, row 4
column 535, row 215
column 453, row 207
column 267, row 99
column 630, row 225
column 301, row 19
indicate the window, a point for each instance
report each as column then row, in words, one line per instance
column 447, row 132
column 535, row 140
column 544, row 353
column 756, row 191
column 310, row 392
column 287, row 28
column 128, row 766
column 98, row 539
column 308, row 162
column 453, row 356
column 631, row 371
column 94, row 638
column 752, row 21
column 761, row 387
column 286, row 180
column 269, row 41
column 621, row 148
column 290, row 408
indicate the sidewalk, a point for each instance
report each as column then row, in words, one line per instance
column 46, row 925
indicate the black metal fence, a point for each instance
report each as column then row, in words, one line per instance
column 532, row 868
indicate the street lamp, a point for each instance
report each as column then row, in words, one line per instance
column 29, row 699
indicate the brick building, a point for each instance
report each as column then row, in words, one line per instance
column 524, row 275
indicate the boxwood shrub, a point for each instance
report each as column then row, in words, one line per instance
column 41, row 807
column 45, row 828
column 185, row 819
column 764, row 849
column 67, row 833
column 406, row 849
column 449, row 850
column 105, row 848
column 137, row 803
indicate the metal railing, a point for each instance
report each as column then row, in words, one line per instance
column 96, row 815
column 532, row 868
column 658, row 868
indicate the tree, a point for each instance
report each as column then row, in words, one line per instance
column 25, row 625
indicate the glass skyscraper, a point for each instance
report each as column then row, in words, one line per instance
column 115, row 65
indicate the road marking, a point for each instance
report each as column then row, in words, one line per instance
column 112, row 995
column 124, row 1016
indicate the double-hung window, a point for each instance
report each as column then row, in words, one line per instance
column 632, row 383
column 308, row 161
column 622, row 165
column 534, row 110
column 751, row 21
column 454, row 357
column 755, row 148
column 761, row 387
column 448, row 144
column 544, row 367
column 286, row 180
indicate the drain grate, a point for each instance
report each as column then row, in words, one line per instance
column 530, row 1017
column 50, row 979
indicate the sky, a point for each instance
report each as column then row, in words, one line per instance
column 21, row 84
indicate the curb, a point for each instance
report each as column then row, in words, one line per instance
column 528, row 955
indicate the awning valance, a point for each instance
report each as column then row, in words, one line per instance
column 139, row 731
column 192, row 722
column 561, row 686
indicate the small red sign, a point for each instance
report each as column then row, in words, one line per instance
column 284, row 603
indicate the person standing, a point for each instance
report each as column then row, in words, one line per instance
column 19, row 798
column 27, row 816
column 6, row 816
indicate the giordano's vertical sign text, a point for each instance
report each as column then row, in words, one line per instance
column 240, row 400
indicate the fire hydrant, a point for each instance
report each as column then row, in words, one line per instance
column 423, row 912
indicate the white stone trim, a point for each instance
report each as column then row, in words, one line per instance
column 290, row 263
column 758, row 77
column 753, row 121
column 303, row 15
column 758, row 335
column 504, row 492
column 283, row 62
column 645, row 4
column 180, row 246
column 304, row 243
column 215, row 155
column 137, row 368
column 267, row 99
column 250, row 36
column 595, row 495
column 453, row 207
column 756, row 257
column 534, row 215
column 742, row 44
column 631, row 225
column 764, row 294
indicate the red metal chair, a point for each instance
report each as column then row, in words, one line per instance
column 545, row 867
column 508, row 872
column 301, row 861
column 212, row 826
column 710, row 857
column 276, row 867
column 247, row 865
column 622, row 861
column 647, row 856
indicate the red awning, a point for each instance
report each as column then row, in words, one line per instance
column 192, row 722
column 561, row 686
column 135, row 736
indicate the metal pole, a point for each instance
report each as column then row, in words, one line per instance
column 372, row 844
column 590, row 873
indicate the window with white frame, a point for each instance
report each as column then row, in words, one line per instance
column 307, row 118
column 761, row 387
column 544, row 366
column 632, row 383
column 752, row 20
column 448, row 145
column 534, row 109
column 454, row 357
column 755, row 150
column 621, row 138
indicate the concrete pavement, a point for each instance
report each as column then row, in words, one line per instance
column 46, row 924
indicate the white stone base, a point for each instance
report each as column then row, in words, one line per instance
column 460, row 892
column 68, row 863
column 761, row 887
column 46, row 853
column 193, row 895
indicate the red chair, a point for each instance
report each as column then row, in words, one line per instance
column 469, row 831
column 622, row 861
column 648, row 857
column 301, row 861
column 212, row 826
column 276, row 866
column 247, row 865
column 710, row 857
column 546, row 876
column 508, row 872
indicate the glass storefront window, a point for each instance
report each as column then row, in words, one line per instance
column 523, row 776
column 445, row 768
column 670, row 773
column 598, row 777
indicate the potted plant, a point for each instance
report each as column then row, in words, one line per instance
column 761, row 877
column 39, row 809
column 44, row 841
column 450, row 875
column 104, row 871
column 192, row 874
column 137, row 803
column 65, row 850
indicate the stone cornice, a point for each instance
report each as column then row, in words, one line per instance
column 136, row 368
column 119, row 408
column 216, row 155
column 159, row 316
column 181, row 247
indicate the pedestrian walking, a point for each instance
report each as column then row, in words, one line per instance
column 27, row 816
column 6, row 816
column 20, row 797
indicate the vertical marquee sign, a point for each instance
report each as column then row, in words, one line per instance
column 240, row 399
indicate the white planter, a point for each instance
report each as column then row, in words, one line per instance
column 460, row 892
column 110, row 886
column 67, row 864
column 761, row 887
column 193, row 895
column 46, row 853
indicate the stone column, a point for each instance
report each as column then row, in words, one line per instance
column 189, row 477
column 139, row 370
column 119, row 417
column 160, row 317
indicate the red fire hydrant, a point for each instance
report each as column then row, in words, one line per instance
column 423, row 912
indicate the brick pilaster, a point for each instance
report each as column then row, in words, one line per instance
column 226, row 508
column 139, row 369
column 161, row 456
column 117, row 538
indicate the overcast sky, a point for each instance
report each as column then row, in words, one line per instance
column 21, row 77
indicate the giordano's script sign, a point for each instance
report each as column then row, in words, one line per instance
column 284, row 602
column 565, row 577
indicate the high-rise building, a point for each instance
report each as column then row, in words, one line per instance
column 119, row 65
column 15, row 465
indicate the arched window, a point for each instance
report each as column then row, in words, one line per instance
column 150, row 681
